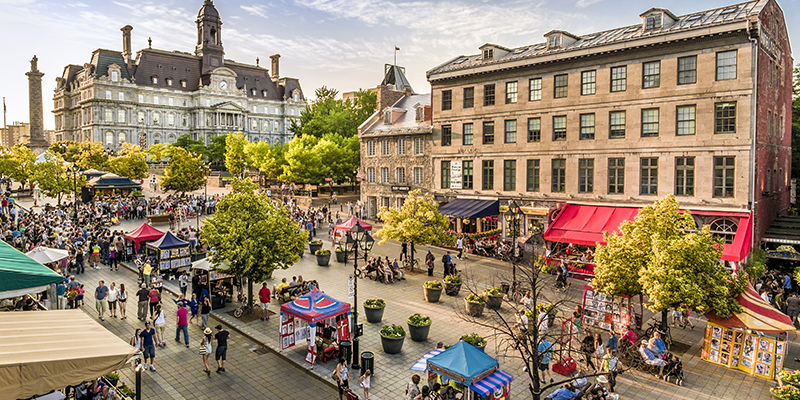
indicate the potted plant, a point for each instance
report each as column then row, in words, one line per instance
column 127, row 392
column 198, row 255
column 314, row 245
column 341, row 253
column 323, row 257
column 452, row 285
column 112, row 378
column 785, row 392
column 392, row 337
column 373, row 308
column 475, row 304
column 475, row 340
column 494, row 298
column 432, row 291
column 419, row 326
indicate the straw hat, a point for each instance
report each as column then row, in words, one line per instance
column 207, row 331
column 602, row 379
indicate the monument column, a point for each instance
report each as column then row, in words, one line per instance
column 38, row 144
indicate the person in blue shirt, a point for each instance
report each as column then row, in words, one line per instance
column 787, row 283
column 657, row 345
column 545, row 348
column 613, row 341
column 564, row 393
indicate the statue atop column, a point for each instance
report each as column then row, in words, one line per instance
column 35, row 63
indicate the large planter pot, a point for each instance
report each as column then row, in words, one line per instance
column 341, row 256
column 431, row 295
column 452, row 289
column 494, row 302
column 474, row 309
column 419, row 333
column 374, row 315
column 323, row 259
column 198, row 255
column 314, row 247
column 392, row 345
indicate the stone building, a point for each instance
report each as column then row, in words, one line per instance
column 395, row 144
column 581, row 130
column 16, row 132
column 159, row 95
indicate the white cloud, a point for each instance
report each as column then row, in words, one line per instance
column 586, row 3
column 257, row 10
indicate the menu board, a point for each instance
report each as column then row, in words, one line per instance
column 750, row 352
column 604, row 311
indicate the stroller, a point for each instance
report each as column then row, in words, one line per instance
column 349, row 394
column 674, row 368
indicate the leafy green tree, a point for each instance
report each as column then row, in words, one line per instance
column 92, row 155
column 303, row 164
column 663, row 256
column 327, row 115
column 235, row 157
column 53, row 178
column 185, row 172
column 18, row 163
column 252, row 235
column 417, row 221
column 131, row 162
column 158, row 152
column 215, row 151
column 269, row 159
column 68, row 150
column 186, row 142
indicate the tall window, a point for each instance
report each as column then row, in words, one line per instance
column 371, row 175
column 725, row 117
column 121, row 96
column 371, row 148
column 619, row 78
column 588, row 82
column 509, row 175
column 651, row 74
column 469, row 97
column 488, row 95
column 650, row 122
column 685, row 120
column 534, row 129
column 419, row 146
column 616, row 175
column 468, row 174
column 384, row 175
column 401, row 147
column 109, row 115
column 156, row 118
column 417, row 175
column 532, row 176
column 488, row 132
column 559, row 175
column 511, row 131
column 108, row 97
column 586, row 175
column 724, row 168
column 447, row 135
column 487, row 179
column 726, row 65
column 534, row 89
column 687, row 70
column 445, row 174
column 649, row 175
column 401, row 175
column 447, row 99
column 468, row 134
column 616, row 124
column 385, row 147
column 511, row 92
column 560, row 128
column 587, row 126
column 684, row 176
column 560, row 87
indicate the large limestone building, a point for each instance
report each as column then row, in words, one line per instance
column 159, row 95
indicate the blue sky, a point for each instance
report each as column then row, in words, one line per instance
column 339, row 43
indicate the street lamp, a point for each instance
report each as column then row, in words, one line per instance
column 74, row 169
column 357, row 237
column 513, row 217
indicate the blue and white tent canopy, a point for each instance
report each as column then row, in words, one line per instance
column 422, row 364
column 491, row 383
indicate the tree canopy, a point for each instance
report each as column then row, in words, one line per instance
column 185, row 172
column 18, row 163
column 235, row 157
column 417, row 221
column 131, row 162
column 327, row 115
column 53, row 178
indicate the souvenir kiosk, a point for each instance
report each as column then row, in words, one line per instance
column 320, row 320
column 469, row 370
column 214, row 280
column 606, row 312
column 340, row 231
column 753, row 340
column 142, row 234
column 170, row 254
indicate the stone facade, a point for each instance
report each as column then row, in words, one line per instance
column 37, row 141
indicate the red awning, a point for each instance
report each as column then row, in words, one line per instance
column 757, row 315
column 741, row 245
column 346, row 225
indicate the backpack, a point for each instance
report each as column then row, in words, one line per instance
column 444, row 259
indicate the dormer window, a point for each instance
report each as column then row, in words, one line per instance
column 263, row 93
column 488, row 54
column 652, row 22
column 657, row 18
column 387, row 117
column 169, row 81
column 253, row 91
column 420, row 116
column 154, row 79
column 114, row 76
column 183, row 83
column 554, row 42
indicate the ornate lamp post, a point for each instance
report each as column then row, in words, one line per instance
column 357, row 237
column 513, row 218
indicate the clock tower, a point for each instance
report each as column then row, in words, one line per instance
column 209, row 38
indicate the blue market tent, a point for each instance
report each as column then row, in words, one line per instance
column 463, row 363
column 168, row 241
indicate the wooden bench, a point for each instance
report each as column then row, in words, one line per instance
column 158, row 219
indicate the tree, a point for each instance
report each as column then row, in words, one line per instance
column 252, row 235
column 303, row 163
column 417, row 221
column 235, row 157
column 663, row 256
column 215, row 151
column 18, row 163
column 157, row 152
column 69, row 150
column 185, row 172
column 53, row 177
column 92, row 155
column 269, row 159
column 327, row 115
column 131, row 162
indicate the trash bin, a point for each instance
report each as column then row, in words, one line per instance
column 346, row 350
column 505, row 286
column 367, row 362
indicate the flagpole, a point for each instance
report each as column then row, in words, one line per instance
column 5, row 127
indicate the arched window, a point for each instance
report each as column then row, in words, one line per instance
column 157, row 138
column 253, row 91
column 109, row 138
column 724, row 228
column 171, row 138
column 121, row 138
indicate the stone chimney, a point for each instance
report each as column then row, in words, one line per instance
column 126, row 45
column 275, row 66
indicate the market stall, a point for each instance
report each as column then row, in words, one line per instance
column 170, row 254
column 35, row 359
column 213, row 279
column 320, row 320
column 20, row 275
column 143, row 234
column 469, row 370
column 605, row 312
column 753, row 340
column 340, row 231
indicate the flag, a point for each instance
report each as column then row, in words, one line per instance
column 396, row 48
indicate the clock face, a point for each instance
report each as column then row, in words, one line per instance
column 223, row 85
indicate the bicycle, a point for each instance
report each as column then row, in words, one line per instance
column 410, row 263
column 244, row 305
column 655, row 326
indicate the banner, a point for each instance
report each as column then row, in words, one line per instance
column 287, row 331
column 455, row 175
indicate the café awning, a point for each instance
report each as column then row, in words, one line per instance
column 757, row 315
column 470, row 208
column 784, row 230
column 36, row 359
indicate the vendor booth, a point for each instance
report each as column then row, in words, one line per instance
column 142, row 234
column 35, row 359
column 469, row 370
column 753, row 341
column 170, row 254
column 606, row 312
column 320, row 320
column 111, row 185
column 214, row 281
column 340, row 231
column 21, row 275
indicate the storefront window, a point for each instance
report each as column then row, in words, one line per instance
column 489, row 223
column 469, row 226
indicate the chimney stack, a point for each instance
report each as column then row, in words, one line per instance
column 126, row 45
column 275, row 65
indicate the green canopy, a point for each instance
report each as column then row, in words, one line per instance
column 21, row 275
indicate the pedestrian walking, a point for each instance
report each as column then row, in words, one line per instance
column 123, row 301
column 113, row 295
column 221, row 355
column 460, row 247
column 144, row 300
column 183, row 280
column 147, row 269
column 610, row 366
column 403, row 250
column 545, row 350
column 599, row 349
column 429, row 259
column 154, row 298
column 205, row 349
column 205, row 309
column 160, row 322
column 182, row 324
column 793, row 307
column 148, row 346
column 100, row 297
column 365, row 383
column 194, row 307
column 264, row 296
column 342, row 376
column 61, row 293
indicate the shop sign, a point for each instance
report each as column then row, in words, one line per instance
column 455, row 175
column 401, row 188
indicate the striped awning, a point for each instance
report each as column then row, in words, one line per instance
column 488, row 385
column 422, row 364
column 757, row 315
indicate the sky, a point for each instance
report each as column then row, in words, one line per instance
column 342, row 44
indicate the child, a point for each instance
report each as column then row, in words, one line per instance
column 365, row 383
column 674, row 368
column 79, row 298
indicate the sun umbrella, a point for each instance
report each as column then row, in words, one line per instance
column 46, row 255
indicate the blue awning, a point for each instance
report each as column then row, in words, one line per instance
column 470, row 208
column 488, row 385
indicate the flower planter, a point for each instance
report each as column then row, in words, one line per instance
column 374, row 315
column 431, row 295
column 198, row 255
column 323, row 259
column 392, row 345
column 419, row 333
column 494, row 302
column 341, row 256
column 314, row 247
column 452, row 289
column 474, row 309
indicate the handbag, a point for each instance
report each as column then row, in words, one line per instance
column 203, row 350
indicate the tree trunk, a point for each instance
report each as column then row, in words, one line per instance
column 249, row 292
column 664, row 320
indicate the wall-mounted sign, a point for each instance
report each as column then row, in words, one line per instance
column 455, row 175
column 401, row 188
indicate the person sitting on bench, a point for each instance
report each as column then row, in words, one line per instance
column 657, row 346
column 650, row 359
